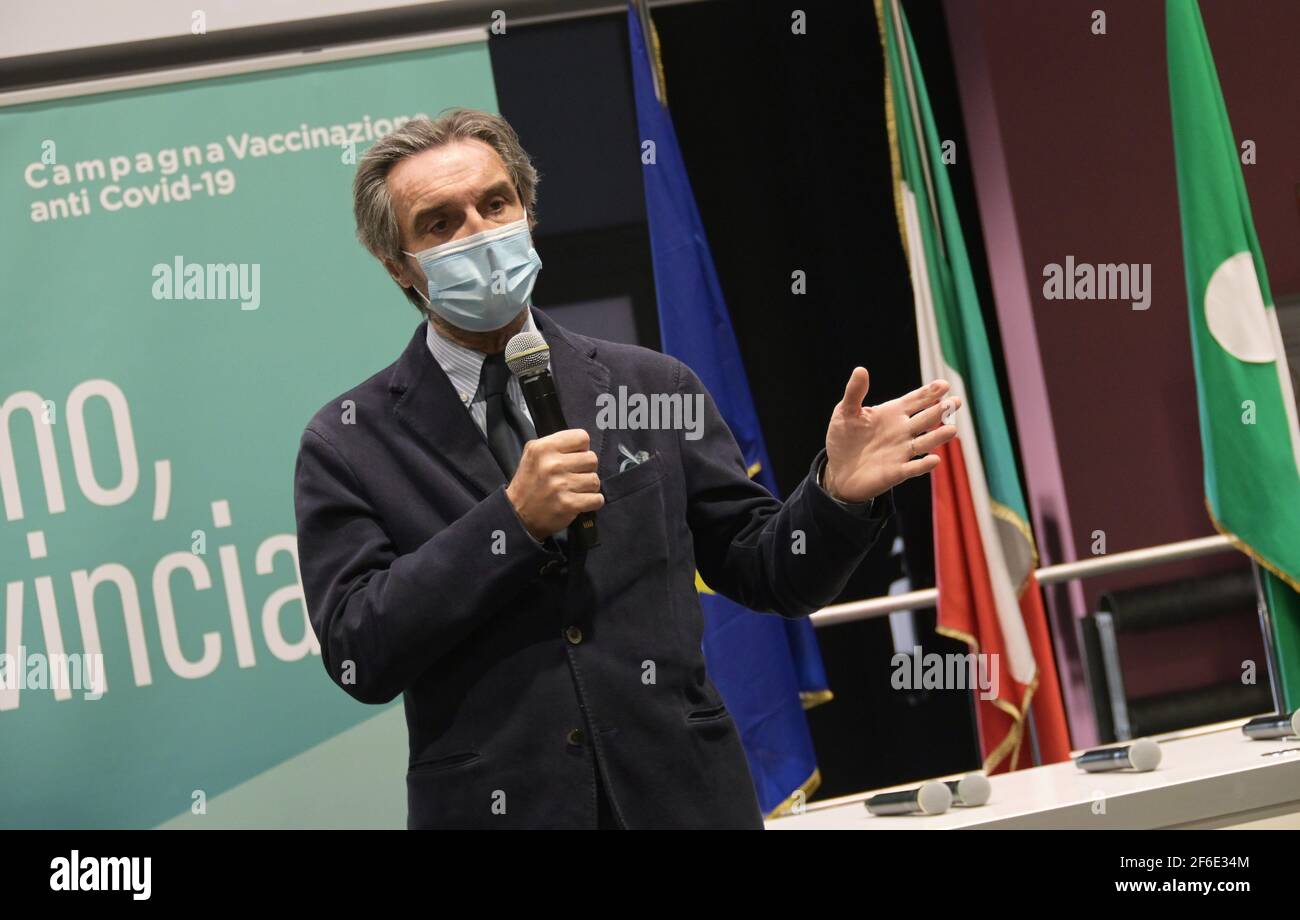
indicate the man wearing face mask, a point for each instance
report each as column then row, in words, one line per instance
column 546, row 684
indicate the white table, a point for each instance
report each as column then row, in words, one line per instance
column 1211, row 777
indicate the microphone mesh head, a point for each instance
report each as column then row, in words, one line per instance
column 527, row 353
column 934, row 798
column 1144, row 755
column 974, row 789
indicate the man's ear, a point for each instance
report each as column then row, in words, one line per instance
column 399, row 271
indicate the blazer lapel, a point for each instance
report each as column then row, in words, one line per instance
column 427, row 404
column 425, row 401
column 580, row 380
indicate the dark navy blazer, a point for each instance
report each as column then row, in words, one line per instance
column 524, row 669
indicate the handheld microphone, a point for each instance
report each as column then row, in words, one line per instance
column 971, row 790
column 529, row 359
column 1141, row 755
column 1277, row 725
column 930, row 799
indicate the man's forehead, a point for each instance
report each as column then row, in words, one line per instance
column 446, row 172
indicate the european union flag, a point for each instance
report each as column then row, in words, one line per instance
column 768, row 669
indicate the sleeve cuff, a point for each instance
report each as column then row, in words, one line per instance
column 550, row 545
column 870, row 509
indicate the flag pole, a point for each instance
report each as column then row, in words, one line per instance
column 648, row 36
column 1266, row 630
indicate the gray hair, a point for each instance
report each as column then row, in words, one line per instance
column 372, row 206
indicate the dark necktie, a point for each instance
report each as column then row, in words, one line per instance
column 507, row 426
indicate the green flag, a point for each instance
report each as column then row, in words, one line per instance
column 1249, row 434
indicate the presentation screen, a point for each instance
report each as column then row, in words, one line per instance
column 182, row 290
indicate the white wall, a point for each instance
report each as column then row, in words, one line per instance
column 42, row 26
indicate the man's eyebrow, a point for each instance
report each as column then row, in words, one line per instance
column 504, row 188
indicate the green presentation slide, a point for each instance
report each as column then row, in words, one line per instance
column 182, row 291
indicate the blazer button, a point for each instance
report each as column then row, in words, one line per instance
column 573, row 634
column 549, row 567
column 576, row 736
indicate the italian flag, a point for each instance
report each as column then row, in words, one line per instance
column 984, row 551
column 1249, row 434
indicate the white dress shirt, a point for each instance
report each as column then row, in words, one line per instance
column 464, row 365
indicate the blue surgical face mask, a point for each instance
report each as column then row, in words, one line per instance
column 481, row 282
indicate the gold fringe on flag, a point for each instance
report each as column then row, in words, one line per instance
column 1012, row 742
column 804, row 792
column 1242, row 546
column 1013, row 518
column 895, row 164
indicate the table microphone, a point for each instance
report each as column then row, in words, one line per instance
column 930, row 799
column 529, row 359
column 971, row 790
column 1141, row 755
column 1277, row 725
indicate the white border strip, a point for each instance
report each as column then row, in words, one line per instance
column 244, row 65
